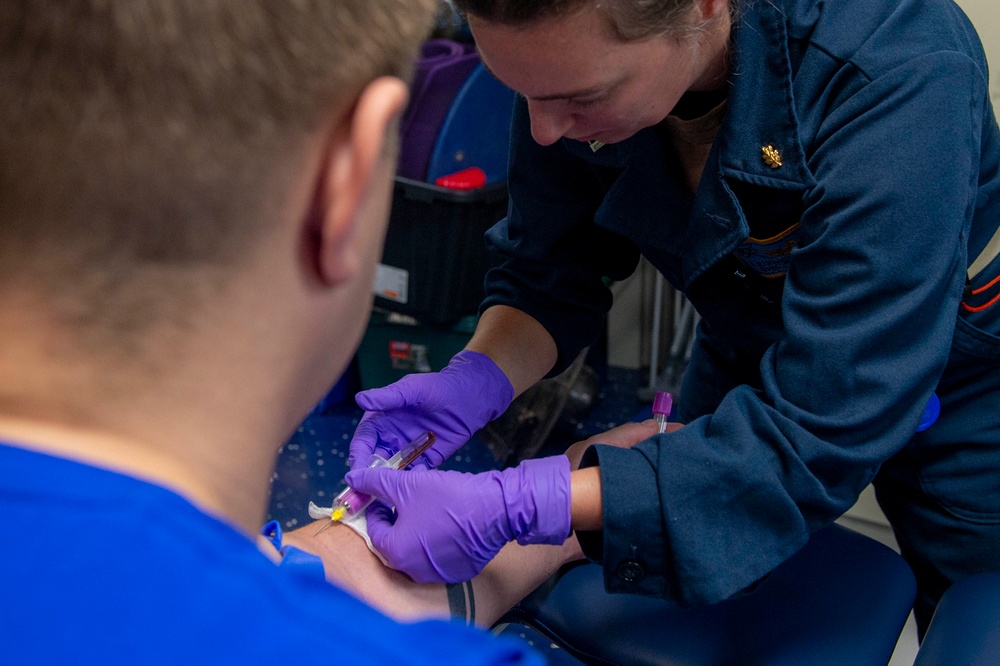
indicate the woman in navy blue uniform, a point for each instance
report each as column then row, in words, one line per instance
column 821, row 180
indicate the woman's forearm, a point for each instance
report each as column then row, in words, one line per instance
column 517, row 343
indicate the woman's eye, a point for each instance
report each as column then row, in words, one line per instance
column 584, row 103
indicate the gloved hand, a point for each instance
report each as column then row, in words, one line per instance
column 448, row 525
column 453, row 404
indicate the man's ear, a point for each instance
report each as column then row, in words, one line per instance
column 355, row 153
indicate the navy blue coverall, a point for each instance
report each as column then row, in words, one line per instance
column 832, row 289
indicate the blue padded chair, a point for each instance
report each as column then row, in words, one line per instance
column 842, row 599
column 476, row 129
column 965, row 629
column 553, row 654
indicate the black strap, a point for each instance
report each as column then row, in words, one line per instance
column 461, row 601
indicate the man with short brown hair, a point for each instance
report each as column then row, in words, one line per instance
column 193, row 198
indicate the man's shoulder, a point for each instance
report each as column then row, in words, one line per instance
column 137, row 572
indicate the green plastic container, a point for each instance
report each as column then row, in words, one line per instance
column 395, row 345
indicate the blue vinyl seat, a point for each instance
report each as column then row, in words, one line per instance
column 842, row 599
column 965, row 629
column 476, row 129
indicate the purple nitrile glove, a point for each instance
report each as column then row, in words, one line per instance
column 453, row 404
column 448, row 525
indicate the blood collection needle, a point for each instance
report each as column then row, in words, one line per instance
column 332, row 520
column 401, row 460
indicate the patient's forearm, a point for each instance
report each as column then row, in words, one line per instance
column 351, row 566
column 508, row 578
column 512, row 574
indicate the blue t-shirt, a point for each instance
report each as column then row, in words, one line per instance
column 99, row 567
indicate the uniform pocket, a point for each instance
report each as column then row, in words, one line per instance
column 970, row 340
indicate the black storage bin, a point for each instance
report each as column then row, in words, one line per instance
column 435, row 256
column 393, row 347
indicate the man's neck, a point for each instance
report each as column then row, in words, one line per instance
column 238, row 497
column 184, row 412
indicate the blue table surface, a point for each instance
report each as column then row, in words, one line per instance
column 312, row 464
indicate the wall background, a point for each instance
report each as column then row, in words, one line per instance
column 985, row 15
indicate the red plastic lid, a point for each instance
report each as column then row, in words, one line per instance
column 466, row 179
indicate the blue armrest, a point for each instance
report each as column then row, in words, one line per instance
column 965, row 629
column 842, row 599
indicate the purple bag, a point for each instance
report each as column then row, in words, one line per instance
column 442, row 69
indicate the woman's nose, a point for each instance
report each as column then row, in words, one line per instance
column 548, row 124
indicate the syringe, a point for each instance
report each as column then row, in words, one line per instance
column 350, row 502
column 662, row 404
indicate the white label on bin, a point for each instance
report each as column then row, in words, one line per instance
column 392, row 283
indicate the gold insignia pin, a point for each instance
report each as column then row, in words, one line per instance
column 771, row 156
